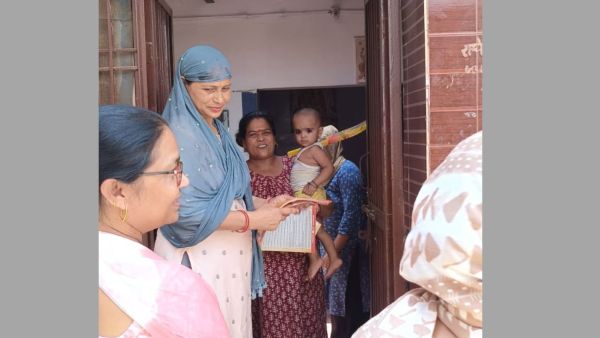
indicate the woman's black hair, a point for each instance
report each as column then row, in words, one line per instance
column 127, row 137
column 245, row 121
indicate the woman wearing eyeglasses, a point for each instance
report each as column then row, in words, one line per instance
column 215, row 234
column 140, row 293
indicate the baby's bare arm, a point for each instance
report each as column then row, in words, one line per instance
column 324, row 161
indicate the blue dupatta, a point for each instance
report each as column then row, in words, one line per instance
column 216, row 169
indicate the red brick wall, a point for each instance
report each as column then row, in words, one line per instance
column 455, row 38
column 451, row 64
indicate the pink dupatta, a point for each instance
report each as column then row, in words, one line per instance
column 166, row 299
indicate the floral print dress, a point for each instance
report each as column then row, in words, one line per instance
column 290, row 307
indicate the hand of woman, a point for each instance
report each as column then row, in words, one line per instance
column 278, row 201
column 268, row 216
column 325, row 206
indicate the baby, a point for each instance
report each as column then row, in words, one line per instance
column 312, row 169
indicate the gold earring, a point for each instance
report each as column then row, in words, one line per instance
column 123, row 214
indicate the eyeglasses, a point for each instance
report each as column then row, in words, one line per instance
column 178, row 172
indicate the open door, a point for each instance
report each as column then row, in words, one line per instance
column 158, row 56
column 385, row 208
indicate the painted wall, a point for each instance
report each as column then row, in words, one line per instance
column 277, row 51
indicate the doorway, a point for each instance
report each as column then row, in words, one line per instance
column 342, row 106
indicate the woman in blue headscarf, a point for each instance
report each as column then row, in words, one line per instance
column 217, row 208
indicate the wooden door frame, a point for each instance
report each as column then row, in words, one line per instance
column 146, row 28
column 141, row 81
column 152, row 41
column 395, row 57
column 388, row 219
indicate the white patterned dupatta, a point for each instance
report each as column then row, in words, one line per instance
column 442, row 254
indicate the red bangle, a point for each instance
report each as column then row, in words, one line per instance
column 246, row 221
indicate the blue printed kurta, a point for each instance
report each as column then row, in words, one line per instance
column 348, row 195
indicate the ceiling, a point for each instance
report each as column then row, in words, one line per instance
column 194, row 8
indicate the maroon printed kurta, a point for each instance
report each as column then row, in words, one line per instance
column 290, row 307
